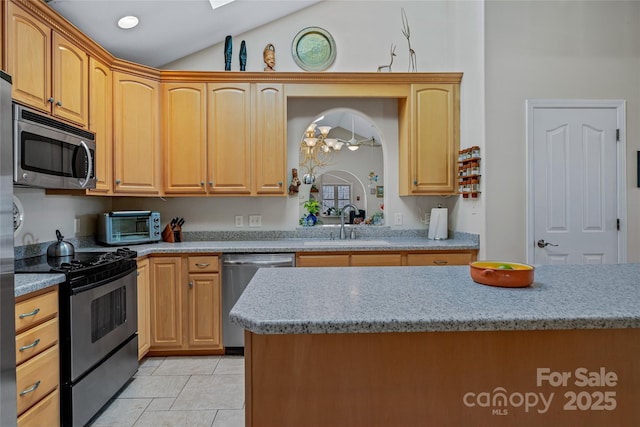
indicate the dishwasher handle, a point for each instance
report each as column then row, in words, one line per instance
column 270, row 263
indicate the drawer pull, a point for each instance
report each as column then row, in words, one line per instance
column 202, row 264
column 191, row 284
column 33, row 313
column 440, row 262
column 33, row 344
column 30, row 389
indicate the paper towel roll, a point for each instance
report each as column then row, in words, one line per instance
column 438, row 224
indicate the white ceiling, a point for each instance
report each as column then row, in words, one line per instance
column 169, row 29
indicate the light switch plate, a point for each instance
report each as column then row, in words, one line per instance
column 239, row 221
column 255, row 220
column 397, row 218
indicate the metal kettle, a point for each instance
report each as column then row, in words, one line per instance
column 60, row 248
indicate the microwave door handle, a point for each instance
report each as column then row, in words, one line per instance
column 89, row 171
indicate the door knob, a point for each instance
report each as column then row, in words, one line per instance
column 541, row 244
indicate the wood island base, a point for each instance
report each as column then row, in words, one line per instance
column 581, row 377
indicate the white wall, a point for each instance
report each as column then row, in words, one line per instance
column 573, row 49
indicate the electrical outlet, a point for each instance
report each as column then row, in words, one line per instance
column 397, row 218
column 239, row 222
column 255, row 220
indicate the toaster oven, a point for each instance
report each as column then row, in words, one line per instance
column 128, row 227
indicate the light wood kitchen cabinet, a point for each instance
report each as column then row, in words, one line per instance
column 165, row 291
column 136, row 135
column 428, row 163
column 441, row 258
column 229, row 138
column 226, row 139
column 37, row 358
column 186, row 305
column 385, row 258
column 50, row 73
column 184, row 138
column 270, row 140
column 144, row 315
column 101, row 122
column 322, row 260
column 204, row 298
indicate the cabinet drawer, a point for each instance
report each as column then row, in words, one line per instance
column 36, row 310
column 379, row 260
column 322, row 260
column 439, row 259
column 36, row 377
column 36, row 340
column 203, row 264
column 44, row 413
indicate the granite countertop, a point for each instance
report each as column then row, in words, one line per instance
column 419, row 299
column 27, row 283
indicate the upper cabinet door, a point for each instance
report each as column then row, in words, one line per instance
column 434, row 138
column 269, row 140
column 184, row 138
column 70, row 81
column 29, row 58
column 229, row 119
column 101, row 122
column 136, row 134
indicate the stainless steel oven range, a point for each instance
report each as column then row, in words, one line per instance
column 98, row 327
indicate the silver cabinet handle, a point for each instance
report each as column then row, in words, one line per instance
column 202, row 265
column 30, row 389
column 440, row 262
column 415, row 182
column 59, row 103
column 201, row 182
column 117, row 181
column 33, row 313
column 33, row 344
column 191, row 284
column 51, row 100
column 542, row 244
column 280, row 183
column 210, row 183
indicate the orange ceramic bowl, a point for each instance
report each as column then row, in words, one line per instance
column 503, row 274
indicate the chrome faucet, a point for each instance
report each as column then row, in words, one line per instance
column 343, row 234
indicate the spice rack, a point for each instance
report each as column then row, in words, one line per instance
column 469, row 172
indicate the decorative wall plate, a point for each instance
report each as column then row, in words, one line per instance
column 313, row 49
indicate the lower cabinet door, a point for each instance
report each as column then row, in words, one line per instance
column 44, row 413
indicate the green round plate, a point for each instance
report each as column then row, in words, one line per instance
column 313, row 49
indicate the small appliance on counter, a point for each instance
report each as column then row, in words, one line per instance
column 128, row 228
column 438, row 224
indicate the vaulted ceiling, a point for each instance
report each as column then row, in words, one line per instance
column 169, row 29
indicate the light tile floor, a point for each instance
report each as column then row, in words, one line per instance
column 205, row 391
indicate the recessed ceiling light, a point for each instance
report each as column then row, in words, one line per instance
column 219, row 3
column 128, row 22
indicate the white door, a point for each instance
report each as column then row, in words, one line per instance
column 574, row 183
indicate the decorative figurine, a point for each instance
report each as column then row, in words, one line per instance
column 407, row 33
column 295, row 182
column 269, row 57
column 392, row 53
column 243, row 56
column 227, row 53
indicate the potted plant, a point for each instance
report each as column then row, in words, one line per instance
column 311, row 217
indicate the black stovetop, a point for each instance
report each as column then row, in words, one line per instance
column 82, row 267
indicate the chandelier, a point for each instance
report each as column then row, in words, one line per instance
column 317, row 150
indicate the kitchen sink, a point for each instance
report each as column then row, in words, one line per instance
column 346, row 242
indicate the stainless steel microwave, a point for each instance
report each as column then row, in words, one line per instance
column 128, row 227
column 49, row 153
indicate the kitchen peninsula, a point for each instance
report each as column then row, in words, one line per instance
column 415, row 346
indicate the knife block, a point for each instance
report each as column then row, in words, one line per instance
column 172, row 235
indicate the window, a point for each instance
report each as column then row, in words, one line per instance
column 334, row 198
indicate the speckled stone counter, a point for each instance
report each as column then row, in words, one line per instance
column 421, row 299
column 27, row 283
column 413, row 346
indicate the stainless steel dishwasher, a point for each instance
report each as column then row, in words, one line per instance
column 237, row 272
